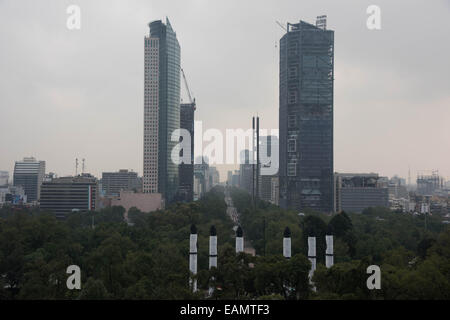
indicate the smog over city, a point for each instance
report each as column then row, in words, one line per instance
column 204, row 152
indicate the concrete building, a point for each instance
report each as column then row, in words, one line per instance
column 114, row 182
column 275, row 191
column 229, row 177
column 268, row 145
column 67, row 194
column 201, row 178
column 145, row 202
column 186, row 170
column 4, row 178
column 358, row 191
column 12, row 195
column 214, row 177
column 306, row 117
column 161, row 109
column 29, row 174
column 246, row 169
column 235, row 179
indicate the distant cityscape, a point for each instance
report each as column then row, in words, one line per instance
column 306, row 179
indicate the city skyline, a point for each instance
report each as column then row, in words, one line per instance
column 388, row 116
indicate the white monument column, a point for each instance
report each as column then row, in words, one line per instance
column 193, row 257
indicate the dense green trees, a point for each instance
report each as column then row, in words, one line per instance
column 147, row 258
column 414, row 261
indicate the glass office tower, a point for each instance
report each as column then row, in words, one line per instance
column 161, row 109
column 306, row 117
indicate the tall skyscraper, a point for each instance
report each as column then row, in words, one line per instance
column 29, row 174
column 161, row 109
column 306, row 117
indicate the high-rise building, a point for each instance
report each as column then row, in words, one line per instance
column 161, row 109
column 29, row 174
column 306, row 117
column 201, row 177
column 265, row 180
column 229, row 177
column 186, row 170
column 67, row 194
column 275, row 192
column 214, row 177
column 246, row 170
column 235, row 179
column 114, row 182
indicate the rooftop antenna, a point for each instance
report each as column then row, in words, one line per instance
column 82, row 168
column 76, row 166
column 409, row 175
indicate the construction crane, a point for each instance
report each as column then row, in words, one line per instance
column 192, row 101
column 282, row 27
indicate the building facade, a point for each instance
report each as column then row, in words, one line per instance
column 306, row 117
column 161, row 109
column 144, row 202
column 4, row 178
column 67, row 194
column 29, row 174
column 358, row 191
column 186, row 170
column 12, row 195
column 246, row 171
column 269, row 144
column 429, row 184
column 214, row 177
column 114, row 182
column 201, row 178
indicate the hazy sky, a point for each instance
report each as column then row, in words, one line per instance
column 67, row 94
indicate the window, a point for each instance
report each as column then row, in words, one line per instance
column 292, row 145
column 292, row 168
column 292, row 48
column 292, row 97
column 292, row 121
column 292, row 74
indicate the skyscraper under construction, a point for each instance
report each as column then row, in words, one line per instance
column 306, row 116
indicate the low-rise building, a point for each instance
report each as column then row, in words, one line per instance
column 145, row 202
column 355, row 192
column 12, row 195
column 114, row 182
column 4, row 177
